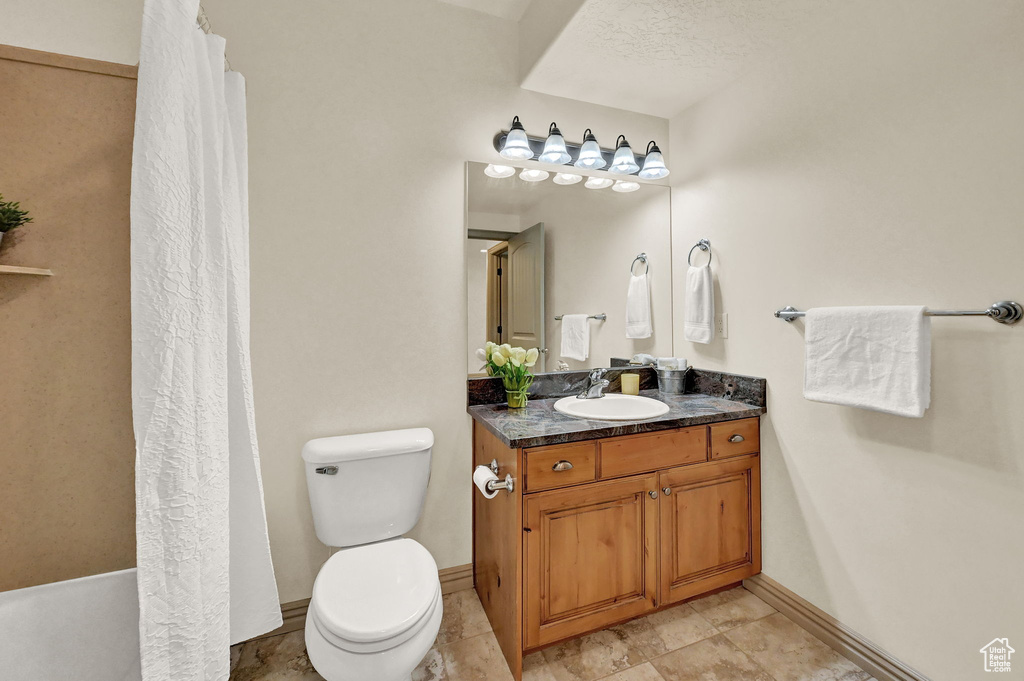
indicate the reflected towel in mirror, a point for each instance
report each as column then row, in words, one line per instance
column 575, row 337
column 638, row 307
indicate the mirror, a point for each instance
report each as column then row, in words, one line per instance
column 538, row 250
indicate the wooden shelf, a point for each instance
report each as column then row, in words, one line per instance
column 13, row 269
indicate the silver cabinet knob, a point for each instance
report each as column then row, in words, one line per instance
column 562, row 465
column 736, row 438
column 653, row 494
column 666, row 491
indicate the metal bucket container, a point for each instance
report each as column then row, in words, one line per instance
column 672, row 380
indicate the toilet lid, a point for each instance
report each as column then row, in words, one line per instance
column 376, row 592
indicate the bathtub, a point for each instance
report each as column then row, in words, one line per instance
column 80, row 630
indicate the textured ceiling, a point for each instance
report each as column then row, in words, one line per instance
column 660, row 56
column 506, row 9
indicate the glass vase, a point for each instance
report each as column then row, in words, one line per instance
column 516, row 398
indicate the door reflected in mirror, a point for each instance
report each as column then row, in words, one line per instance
column 540, row 250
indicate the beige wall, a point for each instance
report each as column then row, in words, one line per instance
column 882, row 164
column 358, row 274
column 97, row 29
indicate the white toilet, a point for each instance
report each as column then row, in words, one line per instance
column 376, row 606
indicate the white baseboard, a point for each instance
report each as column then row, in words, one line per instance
column 835, row 634
column 452, row 579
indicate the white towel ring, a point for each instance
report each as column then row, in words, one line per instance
column 642, row 258
column 703, row 245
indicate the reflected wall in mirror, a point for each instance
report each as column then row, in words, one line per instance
column 537, row 250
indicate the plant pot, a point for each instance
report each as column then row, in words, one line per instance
column 516, row 398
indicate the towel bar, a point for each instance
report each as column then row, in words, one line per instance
column 599, row 317
column 1004, row 312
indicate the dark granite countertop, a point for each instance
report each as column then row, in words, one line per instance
column 539, row 424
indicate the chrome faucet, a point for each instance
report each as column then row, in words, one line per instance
column 596, row 383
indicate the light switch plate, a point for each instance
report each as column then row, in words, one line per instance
column 722, row 325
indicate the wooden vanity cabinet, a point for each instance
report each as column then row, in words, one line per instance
column 601, row 531
column 590, row 557
column 710, row 527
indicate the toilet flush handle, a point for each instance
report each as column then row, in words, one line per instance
column 327, row 470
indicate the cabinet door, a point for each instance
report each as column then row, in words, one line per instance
column 591, row 557
column 710, row 526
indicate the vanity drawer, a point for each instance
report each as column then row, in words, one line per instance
column 560, row 465
column 735, row 438
column 652, row 451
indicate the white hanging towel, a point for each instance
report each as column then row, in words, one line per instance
column 699, row 305
column 876, row 358
column 575, row 337
column 638, row 307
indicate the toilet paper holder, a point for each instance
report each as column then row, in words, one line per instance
column 494, row 485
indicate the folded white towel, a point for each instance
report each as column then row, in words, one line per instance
column 575, row 337
column 699, row 305
column 671, row 363
column 875, row 358
column 638, row 307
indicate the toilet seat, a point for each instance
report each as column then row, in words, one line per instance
column 374, row 597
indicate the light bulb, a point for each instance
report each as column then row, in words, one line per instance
column 532, row 175
column 567, row 178
column 621, row 186
column 517, row 146
column 654, row 165
column 590, row 157
column 623, row 163
column 499, row 171
column 554, row 148
column 598, row 183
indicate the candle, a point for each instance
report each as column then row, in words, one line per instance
column 630, row 384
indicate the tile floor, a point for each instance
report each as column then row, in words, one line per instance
column 728, row 636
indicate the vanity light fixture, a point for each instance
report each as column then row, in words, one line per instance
column 623, row 163
column 625, row 186
column 590, row 157
column 533, row 175
column 567, row 178
column 554, row 148
column 499, row 172
column 517, row 146
column 654, row 165
column 598, row 183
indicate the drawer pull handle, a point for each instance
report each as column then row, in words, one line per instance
column 653, row 494
column 736, row 438
column 666, row 491
column 562, row 465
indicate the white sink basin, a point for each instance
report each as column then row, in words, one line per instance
column 612, row 407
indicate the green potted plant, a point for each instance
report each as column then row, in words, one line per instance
column 512, row 365
column 11, row 216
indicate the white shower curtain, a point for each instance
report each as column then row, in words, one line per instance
column 204, row 570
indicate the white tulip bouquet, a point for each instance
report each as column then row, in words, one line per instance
column 513, row 366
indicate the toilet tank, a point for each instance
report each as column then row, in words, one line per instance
column 368, row 487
